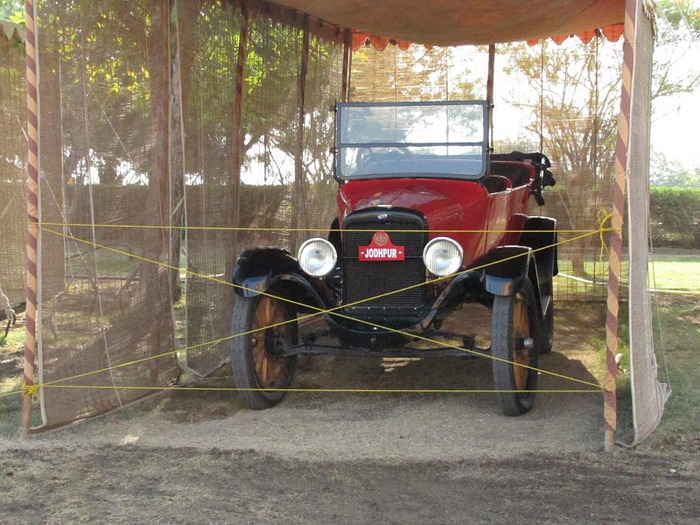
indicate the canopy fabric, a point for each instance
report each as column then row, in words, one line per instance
column 460, row 22
column 10, row 30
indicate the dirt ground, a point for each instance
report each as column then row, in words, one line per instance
column 201, row 457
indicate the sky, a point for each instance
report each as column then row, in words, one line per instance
column 674, row 129
column 674, row 126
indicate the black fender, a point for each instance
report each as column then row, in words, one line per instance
column 258, row 270
column 505, row 269
column 540, row 234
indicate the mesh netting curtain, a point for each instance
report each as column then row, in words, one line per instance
column 106, row 289
column 174, row 135
column 562, row 100
column 13, row 161
column 286, row 181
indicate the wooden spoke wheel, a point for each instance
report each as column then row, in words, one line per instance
column 257, row 358
column 514, row 345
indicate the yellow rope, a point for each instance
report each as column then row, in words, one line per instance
column 331, row 390
column 300, row 230
column 320, row 311
column 29, row 390
column 290, row 301
column 33, row 389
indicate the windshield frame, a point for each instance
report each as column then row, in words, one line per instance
column 342, row 145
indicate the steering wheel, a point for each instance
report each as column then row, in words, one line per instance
column 381, row 158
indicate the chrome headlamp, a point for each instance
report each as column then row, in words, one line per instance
column 317, row 257
column 443, row 256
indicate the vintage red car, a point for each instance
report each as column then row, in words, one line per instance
column 428, row 219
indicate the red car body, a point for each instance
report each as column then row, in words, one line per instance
column 462, row 210
column 428, row 219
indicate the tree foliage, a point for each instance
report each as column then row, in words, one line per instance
column 99, row 51
column 575, row 105
column 12, row 10
column 107, row 77
column 573, row 101
column 672, row 174
column 678, row 27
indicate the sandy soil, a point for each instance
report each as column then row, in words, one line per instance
column 201, row 457
column 137, row 484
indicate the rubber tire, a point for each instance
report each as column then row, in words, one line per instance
column 513, row 402
column 242, row 358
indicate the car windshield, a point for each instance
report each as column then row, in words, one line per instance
column 415, row 139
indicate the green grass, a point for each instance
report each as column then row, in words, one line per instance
column 623, row 385
column 666, row 272
column 108, row 263
column 675, row 273
column 676, row 333
column 10, row 379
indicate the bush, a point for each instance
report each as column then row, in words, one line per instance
column 675, row 217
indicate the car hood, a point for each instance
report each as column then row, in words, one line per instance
column 446, row 203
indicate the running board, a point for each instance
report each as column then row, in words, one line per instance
column 314, row 349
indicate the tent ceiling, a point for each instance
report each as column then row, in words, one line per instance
column 457, row 22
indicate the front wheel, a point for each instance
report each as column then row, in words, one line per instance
column 514, row 346
column 257, row 358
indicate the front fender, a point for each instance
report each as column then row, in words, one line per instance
column 541, row 235
column 259, row 269
column 254, row 269
column 506, row 268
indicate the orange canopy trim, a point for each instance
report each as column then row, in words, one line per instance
column 461, row 22
column 378, row 42
column 11, row 31
column 612, row 33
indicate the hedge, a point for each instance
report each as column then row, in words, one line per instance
column 675, row 212
column 675, row 217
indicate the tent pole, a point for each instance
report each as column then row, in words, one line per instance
column 489, row 91
column 347, row 57
column 614, row 263
column 237, row 131
column 29, row 387
column 299, row 218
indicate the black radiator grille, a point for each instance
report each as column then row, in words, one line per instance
column 363, row 279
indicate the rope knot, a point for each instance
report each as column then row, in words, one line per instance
column 29, row 390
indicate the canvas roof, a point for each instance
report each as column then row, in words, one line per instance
column 458, row 22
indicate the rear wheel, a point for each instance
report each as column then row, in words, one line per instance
column 257, row 358
column 514, row 345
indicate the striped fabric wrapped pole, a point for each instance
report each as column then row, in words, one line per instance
column 32, row 212
column 618, row 198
